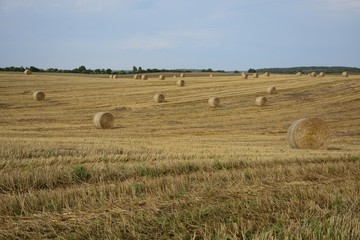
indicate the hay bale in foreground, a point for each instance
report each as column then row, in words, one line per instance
column 180, row 83
column 244, row 75
column 111, row 76
column 27, row 72
column 159, row 98
column 214, row 102
column 321, row 74
column 308, row 133
column 266, row 74
column 271, row 90
column 345, row 74
column 144, row 77
column 103, row 120
column 182, row 75
column 39, row 96
column 260, row 101
column 161, row 77
column 255, row 75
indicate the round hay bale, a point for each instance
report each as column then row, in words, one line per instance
column 159, row 98
column 214, row 102
column 255, row 75
column 299, row 74
column 182, row 75
column 266, row 74
column 111, row 76
column 211, row 75
column 345, row 74
column 115, row 76
column 313, row 74
column 136, row 76
column 27, row 72
column 144, row 77
column 308, row 133
column 39, row 96
column 260, row 101
column 244, row 75
column 174, row 76
column 180, row 83
column 162, row 77
column 321, row 74
column 271, row 90
column 103, row 120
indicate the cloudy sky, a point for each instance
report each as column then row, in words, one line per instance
column 217, row 34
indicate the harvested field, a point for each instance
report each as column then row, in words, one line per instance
column 177, row 170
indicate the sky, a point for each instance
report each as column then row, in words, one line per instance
column 179, row 34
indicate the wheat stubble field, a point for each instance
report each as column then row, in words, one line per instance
column 179, row 169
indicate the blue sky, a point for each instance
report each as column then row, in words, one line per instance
column 222, row 34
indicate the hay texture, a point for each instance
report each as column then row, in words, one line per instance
column 266, row 74
column 27, row 72
column 182, row 75
column 136, row 76
column 255, row 75
column 211, row 75
column 159, row 98
column 271, row 90
column 111, row 76
column 260, row 101
column 103, row 120
column 308, row 133
column 39, row 96
column 345, row 74
column 161, row 77
column 180, row 83
column 115, row 76
column 214, row 102
column 299, row 74
column 244, row 75
column 321, row 74
column 144, row 77
column 313, row 74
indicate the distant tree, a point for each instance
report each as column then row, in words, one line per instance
column 140, row 69
column 135, row 69
column 108, row 71
column 251, row 70
column 236, row 71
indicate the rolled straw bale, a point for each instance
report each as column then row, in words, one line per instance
column 244, row 75
column 103, row 120
column 266, row 74
column 159, row 98
column 271, row 90
column 255, row 75
column 111, row 76
column 115, row 76
column 180, row 83
column 211, row 75
column 214, row 102
column 144, row 77
column 27, row 72
column 136, row 76
column 308, row 133
column 321, row 74
column 174, row 76
column 299, row 74
column 313, row 74
column 39, row 96
column 182, row 75
column 162, row 77
column 260, row 101
column 345, row 74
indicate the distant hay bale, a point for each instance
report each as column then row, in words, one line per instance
column 103, row 120
column 214, row 102
column 159, row 98
column 244, row 75
column 299, row 74
column 144, row 77
column 114, row 76
column 313, row 74
column 255, row 75
column 308, row 133
column 27, row 72
column 39, row 96
column 345, row 74
column 260, row 101
column 182, row 75
column 162, row 77
column 180, row 83
column 271, row 90
column 211, row 75
column 174, row 76
column 321, row 74
column 266, row 74
column 136, row 76
column 111, row 76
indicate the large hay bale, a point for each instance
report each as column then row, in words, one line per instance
column 244, row 75
column 214, row 102
column 299, row 74
column 260, row 101
column 111, row 76
column 39, row 96
column 180, row 83
column 103, row 120
column 144, row 77
column 345, row 74
column 162, row 77
column 313, row 74
column 255, row 75
column 271, row 90
column 159, row 98
column 266, row 74
column 115, row 76
column 211, row 75
column 27, row 72
column 136, row 76
column 321, row 74
column 182, row 75
column 308, row 133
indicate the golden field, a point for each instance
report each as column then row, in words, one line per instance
column 179, row 169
